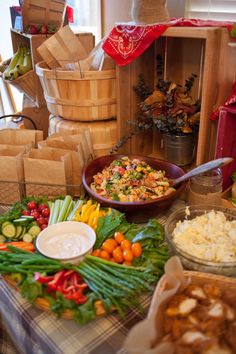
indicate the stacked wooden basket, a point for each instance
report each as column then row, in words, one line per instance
column 77, row 98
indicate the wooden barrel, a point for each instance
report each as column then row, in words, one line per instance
column 104, row 133
column 79, row 96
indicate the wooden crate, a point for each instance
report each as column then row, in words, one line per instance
column 46, row 12
column 187, row 50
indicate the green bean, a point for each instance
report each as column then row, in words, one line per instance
column 41, row 261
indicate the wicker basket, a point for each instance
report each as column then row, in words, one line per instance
column 28, row 84
column 86, row 96
column 103, row 133
column 46, row 12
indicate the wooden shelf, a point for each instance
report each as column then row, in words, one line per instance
column 201, row 50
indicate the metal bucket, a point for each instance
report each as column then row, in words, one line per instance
column 179, row 149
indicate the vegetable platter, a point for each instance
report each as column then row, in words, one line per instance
column 125, row 263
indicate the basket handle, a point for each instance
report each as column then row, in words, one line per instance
column 22, row 116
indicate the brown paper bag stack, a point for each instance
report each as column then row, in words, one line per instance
column 79, row 147
column 24, row 137
column 11, row 173
column 71, row 140
column 62, row 48
column 77, row 163
column 47, row 172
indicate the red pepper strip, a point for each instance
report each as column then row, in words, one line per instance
column 76, row 279
column 43, row 279
column 57, row 280
column 78, row 297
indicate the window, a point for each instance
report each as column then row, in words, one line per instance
column 87, row 16
column 211, row 9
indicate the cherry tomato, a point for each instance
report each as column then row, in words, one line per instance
column 35, row 214
column 128, row 255
column 136, row 249
column 32, row 205
column 41, row 221
column 125, row 245
column 118, row 255
column 42, row 227
column 46, row 220
column 45, row 212
column 96, row 253
column 25, row 212
column 104, row 255
column 109, row 245
column 42, row 206
column 112, row 260
column 119, row 236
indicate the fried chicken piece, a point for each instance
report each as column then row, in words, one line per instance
column 230, row 298
column 230, row 335
column 212, row 291
column 195, row 292
column 177, row 327
column 181, row 305
column 216, row 349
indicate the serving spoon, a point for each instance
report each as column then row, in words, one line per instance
column 201, row 169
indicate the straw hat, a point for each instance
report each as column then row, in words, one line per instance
column 149, row 11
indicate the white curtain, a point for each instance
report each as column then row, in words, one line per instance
column 211, row 9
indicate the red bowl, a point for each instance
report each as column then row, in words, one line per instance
column 136, row 211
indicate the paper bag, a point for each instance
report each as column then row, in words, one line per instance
column 76, row 161
column 96, row 60
column 47, row 172
column 20, row 137
column 73, row 139
column 62, row 48
column 11, row 173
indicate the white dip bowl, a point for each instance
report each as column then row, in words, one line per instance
column 67, row 241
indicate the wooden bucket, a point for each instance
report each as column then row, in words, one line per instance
column 47, row 12
column 79, row 96
column 103, row 133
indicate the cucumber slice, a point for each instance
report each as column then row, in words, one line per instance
column 9, row 231
column 34, row 230
column 23, row 232
column 2, row 239
column 19, row 229
column 5, row 223
column 27, row 238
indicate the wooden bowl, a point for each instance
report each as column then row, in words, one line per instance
column 136, row 211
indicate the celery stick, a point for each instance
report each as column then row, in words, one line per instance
column 68, row 211
column 56, row 211
column 51, row 213
column 50, row 204
column 77, row 205
column 65, row 204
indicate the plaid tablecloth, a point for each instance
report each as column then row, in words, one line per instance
column 27, row 329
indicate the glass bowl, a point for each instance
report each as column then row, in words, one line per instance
column 192, row 262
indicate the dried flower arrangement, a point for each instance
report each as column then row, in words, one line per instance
column 170, row 108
